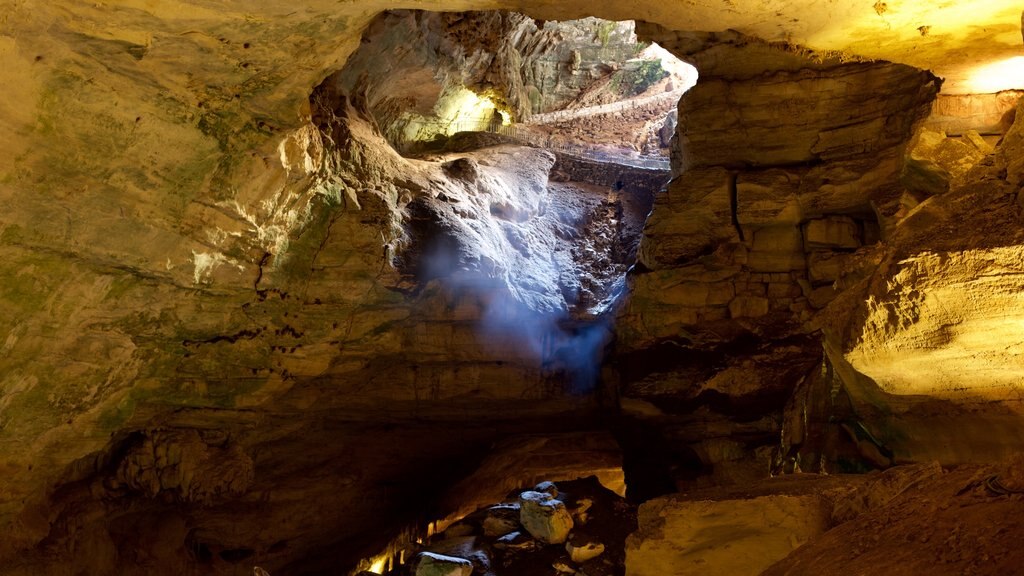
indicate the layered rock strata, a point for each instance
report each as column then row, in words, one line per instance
column 784, row 180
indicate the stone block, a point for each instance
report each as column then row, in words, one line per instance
column 720, row 294
column 777, row 249
column 693, row 294
column 767, row 198
column 820, row 297
column 779, row 290
column 824, row 266
column 748, row 307
column 832, row 232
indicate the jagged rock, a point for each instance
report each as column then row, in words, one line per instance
column 582, row 549
column 468, row 548
column 933, row 323
column 516, row 541
column 545, row 518
column 500, row 520
column 548, row 488
column 563, row 568
column 935, row 162
column 181, row 465
column 430, row 564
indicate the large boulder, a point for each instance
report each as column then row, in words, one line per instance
column 431, row 564
column 544, row 517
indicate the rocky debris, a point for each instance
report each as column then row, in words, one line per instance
column 516, row 542
column 500, row 519
column 935, row 163
column 544, row 541
column 582, row 548
column 526, row 461
column 544, row 517
column 431, row 564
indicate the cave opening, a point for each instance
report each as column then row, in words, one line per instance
column 545, row 252
column 548, row 142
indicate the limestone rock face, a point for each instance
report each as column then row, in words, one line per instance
column 824, row 119
column 958, row 525
column 787, row 179
column 330, row 324
column 183, row 466
column 937, row 324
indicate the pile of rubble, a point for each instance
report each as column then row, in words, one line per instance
column 578, row 528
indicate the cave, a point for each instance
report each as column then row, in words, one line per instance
column 511, row 288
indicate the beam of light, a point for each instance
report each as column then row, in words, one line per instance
column 997, row 76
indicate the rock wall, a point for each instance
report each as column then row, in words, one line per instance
column 785, row 185
column 933, row 333
column 629, row 179
column 399, row 315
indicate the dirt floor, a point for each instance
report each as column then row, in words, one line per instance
column 966, row 521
